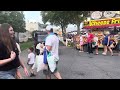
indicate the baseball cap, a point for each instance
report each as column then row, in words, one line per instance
column 48, row 28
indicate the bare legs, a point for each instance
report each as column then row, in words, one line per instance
column 105, row 50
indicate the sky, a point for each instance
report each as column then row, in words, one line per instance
column 35, row 16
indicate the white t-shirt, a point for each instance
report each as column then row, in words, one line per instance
column 96, row 40
column 31, row 56
column 53, row 41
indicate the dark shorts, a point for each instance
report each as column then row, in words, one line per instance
column 48, row 72
column 30, row 65
column 105, row 43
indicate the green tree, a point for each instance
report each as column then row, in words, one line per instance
column 3, row 17
column 14, row 18
column 58, row 18
column 63, row 18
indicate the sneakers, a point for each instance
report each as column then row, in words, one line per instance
column 104, row 54
column 32, row 75
column 80, row 51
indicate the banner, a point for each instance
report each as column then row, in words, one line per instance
column 102, row 23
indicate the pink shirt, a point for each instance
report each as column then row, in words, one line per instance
column 90, row 37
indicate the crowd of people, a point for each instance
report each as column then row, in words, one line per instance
column 92, row 43
column 10, row 60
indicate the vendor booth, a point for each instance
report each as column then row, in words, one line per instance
column 101, row 26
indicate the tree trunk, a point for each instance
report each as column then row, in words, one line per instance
column 17, row 38
column 62, row 30
column 78, row 29
column 63, row 33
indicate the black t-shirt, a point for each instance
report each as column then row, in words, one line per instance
column 3, row 55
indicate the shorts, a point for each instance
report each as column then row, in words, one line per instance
column 8, row 74
column 30, row 65
column 108, row 45
column 48, row 72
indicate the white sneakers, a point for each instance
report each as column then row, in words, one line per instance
column 104, row 53
column 81, row 51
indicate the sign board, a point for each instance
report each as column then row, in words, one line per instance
column 101, row 23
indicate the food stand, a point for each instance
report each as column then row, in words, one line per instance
column 76, row 41
column 101, row 26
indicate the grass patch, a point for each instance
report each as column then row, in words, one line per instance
column 26, row 45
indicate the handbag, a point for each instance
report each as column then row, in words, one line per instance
column 45, row 56
column 93, row 44
column 51, row 62
column 39, row 65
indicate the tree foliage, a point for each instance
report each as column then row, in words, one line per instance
column 58, row 18
column 14, row 18
column 77, row 17
column 63, row 18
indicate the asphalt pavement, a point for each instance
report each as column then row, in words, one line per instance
column 79, row 65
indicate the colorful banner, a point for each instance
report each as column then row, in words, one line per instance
column 101, row 23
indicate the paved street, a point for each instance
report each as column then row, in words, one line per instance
column 76, row 65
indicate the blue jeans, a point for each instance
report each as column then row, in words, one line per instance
column 8, row 74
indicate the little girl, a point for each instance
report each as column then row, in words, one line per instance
column 31, row 60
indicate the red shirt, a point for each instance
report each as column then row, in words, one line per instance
column 90, row 37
